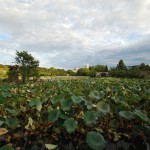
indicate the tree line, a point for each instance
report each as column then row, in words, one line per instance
column 27, row 66
column 137, row 71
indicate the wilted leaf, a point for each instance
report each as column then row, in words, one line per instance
column 39, row 107
column 3, row 131
column 50, row 146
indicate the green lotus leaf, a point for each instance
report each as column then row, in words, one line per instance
column 5, row 94
column 2, row 99
column 77, row 99
column 126, row 114
column 95, row 140
column 63, row 115
column 12, row 122
column 66, row 105
column 95, row 95
column 90, row 117
column 53, row 115
column 141, row 115
column 56, row 99
column 34, row 102
column 101, row 94
column 103, row 107
column 6, row 147
column 11, row 111
column 114, row 123
column 89, row 104
column 6, row 88
column 2, row 121
column 70, row 125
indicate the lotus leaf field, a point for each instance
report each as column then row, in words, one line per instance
column 104, row 113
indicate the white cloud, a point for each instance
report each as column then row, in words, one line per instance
column 64, row 33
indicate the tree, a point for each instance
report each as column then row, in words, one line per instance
column 144, row 67
column 27, row 65
column 121, row 65
column 83, row 72
column 71, row 73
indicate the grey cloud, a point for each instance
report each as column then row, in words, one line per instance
column 65, row 33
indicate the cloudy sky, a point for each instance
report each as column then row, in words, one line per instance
column 72, row 33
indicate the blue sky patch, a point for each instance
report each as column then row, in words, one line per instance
column 3, row 37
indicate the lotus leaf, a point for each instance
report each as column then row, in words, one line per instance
column 95, row 140
column 63, row 115
column 70, row 125
column 66, row 105
column 1, row 99
column 5, row 94
column 89, row 104
column 11, row 111
column 6, row 148
column 114, row 123
column 126, row 114
column 53, row 115
column 103, row 107
column 90, row 117
column 56, row 99
column 95, row 95
column 35, row 102
column 1, row 121
column 12, row 122
column 77, row 99
column 141, row 115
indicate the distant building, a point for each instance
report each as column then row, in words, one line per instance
column 86, row 66
column 75, row 70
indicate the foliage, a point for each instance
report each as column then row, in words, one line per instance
column 70, row 124
column 27, row 65
column 95, row 140
column 121, row 65
column 86, row 110
column 83, row 72
column 139, row 71
column 90, row 117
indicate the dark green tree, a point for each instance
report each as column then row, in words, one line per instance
column 27, row 65
column 83, row 72
column 71, row 73
column 144, row 67
column 121, row 65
